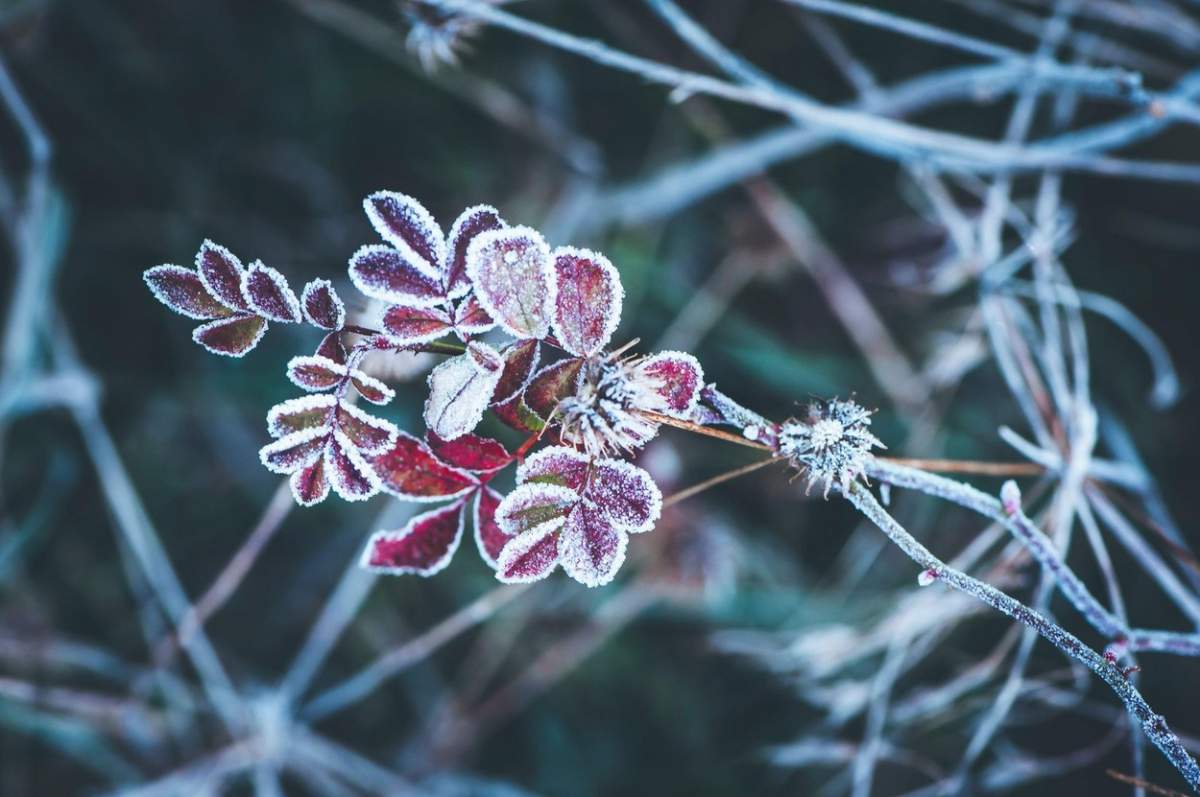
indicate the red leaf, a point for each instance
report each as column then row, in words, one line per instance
column 350, row 475
column 371, row 388
column 591, row 549
column 513, row 278
column 535, row 505
column 232, row 337
column 551, row 385
column 315, row 373
column 489, row 537
column 587, row 306
column 675, row 377
column 331, row 348
column 470, row 318
column 424, row 546
column 309, row 485
column 385, row 273
column 301, row 413
column 407, row 225
column 409, row 470
column 470, row 452
column 520, row 360
column 181, row 289
column 221, row 273
column 559, row 465
column 469, row 224
column 267, row 293
column 322, row 307
column 406, row 326
column 296, row 450
column 369, row 434
column 528, row 557
column 626, row 494
column 515, row 414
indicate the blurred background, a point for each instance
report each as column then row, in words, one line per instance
column 739, row 652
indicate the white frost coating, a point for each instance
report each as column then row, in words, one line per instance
column 387, row 536
column 460, row 324
column 434, row 297
column 294, row 483
column 291, row 441
column 296, row 406
column 182, row 273
column 575, row 558
column 412, row 338
column 538, row 463
column 372, row 383
column 392, row 431
column 464, row 288
column 199, row 331
column 478, row 524
column 327, row 286
column 281, row 283
column 695, row 397
column 527, row 496
column 337, row 370
column 335, row 475
column 638, row 485
column 459, row 392
column 416, row 214
column 520, row 545
column 211, row 246
column 489, row 290
column 485, row 358
column 612, row 318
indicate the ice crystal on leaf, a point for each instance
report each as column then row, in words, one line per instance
column 573, row 510
column 514, row 279
column 460, row 390
column 832, row 444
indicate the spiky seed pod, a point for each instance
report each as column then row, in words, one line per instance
column 831, row 444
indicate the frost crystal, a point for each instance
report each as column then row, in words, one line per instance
column 832, row 444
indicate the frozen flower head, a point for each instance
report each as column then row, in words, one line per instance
column 436, row 36
column 831, row 444
column 605, row 414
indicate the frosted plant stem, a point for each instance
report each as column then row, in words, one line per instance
column 1008, row 513
column 419, row 648
column 1154, row 725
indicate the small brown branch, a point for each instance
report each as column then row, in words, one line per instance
column 718, row 479
column 969, row 466
column 697, row 428
column 1153, row 788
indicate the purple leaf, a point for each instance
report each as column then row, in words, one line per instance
column 514, row 279
column 384, row 273
column 267, row 293
column 533, row 506
column 181, row 289
column 371, row 388
column 489, row 537
column 528, row 557
column 558, row 465
column 294, row 451
column 221, row 273
column 233, row 336
column 322, row 307
column 470, row 452
column 460, row 389
column 350, row 475
column 520, row 360
column 551, row 385
column 587, row 307
column 424, row 546
column 331, row 348
column 674, row 379
column 625, row 493
column 469, row 224
column 405, row 223
column 369, row 434
column 406, row 326
column 591, row 548
column 409, row 470
column 309, row 485
column 470, row 318
column 298, row 414
column 314, row 373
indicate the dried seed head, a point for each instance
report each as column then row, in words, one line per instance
column 831, row 444
column 436, row 36
column 600, row 415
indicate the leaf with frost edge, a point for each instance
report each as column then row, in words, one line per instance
column 458, row 507
column 612, row 315
column 280, row 284
column 474, row 266
column 432, row 232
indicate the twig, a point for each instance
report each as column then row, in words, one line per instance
column 718, row 479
